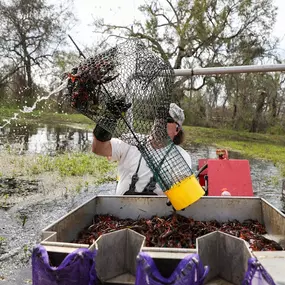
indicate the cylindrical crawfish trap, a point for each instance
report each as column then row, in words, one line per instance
column 127, row 90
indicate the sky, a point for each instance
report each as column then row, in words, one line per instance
column 123, row 12
column 279, row 30
column 120, row 12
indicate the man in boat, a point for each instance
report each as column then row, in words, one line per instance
column 135, row 177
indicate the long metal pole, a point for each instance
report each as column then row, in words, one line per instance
column 230, row 69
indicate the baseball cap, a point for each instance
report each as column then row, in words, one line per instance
column 176, row 113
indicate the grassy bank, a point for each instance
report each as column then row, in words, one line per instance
column 43, row 117
column 263, row 146
column 59, row 175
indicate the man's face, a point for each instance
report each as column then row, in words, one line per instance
column 173, row 129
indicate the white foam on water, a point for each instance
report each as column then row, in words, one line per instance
column 27, row 109
column 8, row 121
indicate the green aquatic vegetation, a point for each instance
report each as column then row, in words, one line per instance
column 57, row 118
column 105, row 179
column 2, row 240
column 251, row 145
column 275, row 180
column 5, row 203
column 8, row 148
column 78, row 187
column 23, row 219
column 211, row 136
column 43, row 116
column 74, row 164
column 61, row 166
column 7, row 112
column 27, row 252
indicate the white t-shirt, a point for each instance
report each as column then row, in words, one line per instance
column 128, row 157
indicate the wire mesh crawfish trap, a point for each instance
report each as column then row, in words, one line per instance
column 127, row 91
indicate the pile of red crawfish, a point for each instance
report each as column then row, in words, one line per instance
column 178, row 231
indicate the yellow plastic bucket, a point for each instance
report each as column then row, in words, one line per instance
column 185, row 193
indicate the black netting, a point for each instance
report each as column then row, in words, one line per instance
column 128, row 73
column 127, row 91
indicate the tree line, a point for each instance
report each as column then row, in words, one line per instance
column 186, row 33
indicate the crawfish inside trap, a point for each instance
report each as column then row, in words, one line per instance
column 138, row 78
column 178, row 231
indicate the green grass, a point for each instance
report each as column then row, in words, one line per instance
column 73, row 164
column 6, row 113
column 66, row 165
column 41, row 117
column 58, row 118
column 263, row 146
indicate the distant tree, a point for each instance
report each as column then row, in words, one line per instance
column 190, row 33
column 30, row 30
column 207, row 33
column 64, row 61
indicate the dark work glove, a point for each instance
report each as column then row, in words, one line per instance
column 115, row 109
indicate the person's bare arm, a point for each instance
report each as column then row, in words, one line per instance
column 102, row 148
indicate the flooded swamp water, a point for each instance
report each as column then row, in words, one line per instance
column 29, row 204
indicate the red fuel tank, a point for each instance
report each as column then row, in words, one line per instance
column 226, row 177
